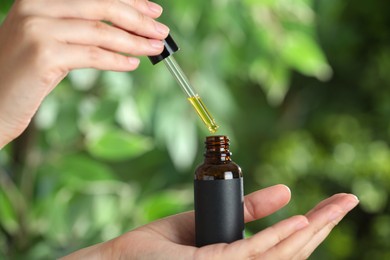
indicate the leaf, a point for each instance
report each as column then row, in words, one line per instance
column 61, row 123
column 166, row 203
column 55, row 222
column 176, row 128
column 105, row 110
column 104, row 209
column 5, row 5
column 78, row 169
column 118, row 145
column 8, row 218
column 128, row 116
column 302, row 53
column 273, row 79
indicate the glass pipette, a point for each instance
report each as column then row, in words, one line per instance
column 193, row 97
column 171, row 47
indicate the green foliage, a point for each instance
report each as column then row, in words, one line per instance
column 300, row 86
column 118, row 145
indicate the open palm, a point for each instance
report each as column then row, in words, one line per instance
column 173, row 237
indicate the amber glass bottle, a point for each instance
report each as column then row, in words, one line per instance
column 218, row 194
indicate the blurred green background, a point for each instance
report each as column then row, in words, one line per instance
column 300, row 86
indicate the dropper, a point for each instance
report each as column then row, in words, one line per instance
column 171, row 47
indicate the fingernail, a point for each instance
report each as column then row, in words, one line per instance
column 156, row 44
column 351, row 204
column 155, row 8
column 161, row 28
column 133, row 61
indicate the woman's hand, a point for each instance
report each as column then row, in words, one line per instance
column 173, row 237
column 42, row 40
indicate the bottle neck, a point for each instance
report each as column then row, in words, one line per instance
column 217, row 150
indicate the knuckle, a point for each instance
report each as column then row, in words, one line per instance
column 141, row 18
column 93, row 53
column 120, row 61
column 250, row 209
column 137, row 2
column 147, row 26
column 24, row 7
column 107, row 8
column 100, row 27
column 52, row 69
column 44, row 56
column 276, row 237
column 32, row 27
column 32, row 31
column 254, row 253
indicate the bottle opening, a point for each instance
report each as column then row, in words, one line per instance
column 217, row 146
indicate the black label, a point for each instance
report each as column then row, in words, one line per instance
column 219, row 211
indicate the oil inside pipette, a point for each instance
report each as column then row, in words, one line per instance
column 203, row 113
column 194, row 98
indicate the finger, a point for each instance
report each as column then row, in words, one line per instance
column 265, row 202
column 290, row 247
column 100, row 34
column 146, row 7
column 61, row 8
column 326, row 217
column 347, row 203
column 117, row 12
column 256, row 245
column 327, row 201
column 79, row 56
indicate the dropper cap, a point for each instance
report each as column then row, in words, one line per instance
column 170, row 47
